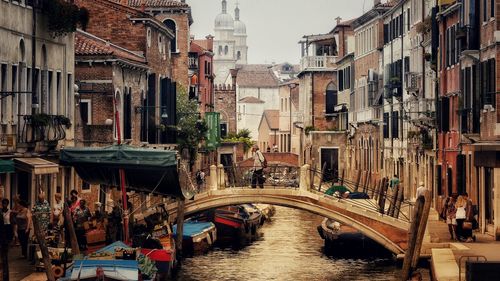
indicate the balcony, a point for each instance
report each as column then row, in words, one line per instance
column 318, row 63
column 44, row 127
column 192, row 62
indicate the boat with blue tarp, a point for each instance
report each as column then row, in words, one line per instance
column 198, row 237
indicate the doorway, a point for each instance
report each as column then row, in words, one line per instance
column 329, row 158
column 488, row 195
column 23, row 186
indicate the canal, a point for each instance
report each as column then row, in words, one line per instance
column 288, row 248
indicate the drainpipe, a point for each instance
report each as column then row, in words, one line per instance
column 312, row 98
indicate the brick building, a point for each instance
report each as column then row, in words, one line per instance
column 138, row 32
column 101, row 68
column 201, row 73
column 176, row 16
column 365, row 104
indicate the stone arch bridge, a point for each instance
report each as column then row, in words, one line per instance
column 389, row 231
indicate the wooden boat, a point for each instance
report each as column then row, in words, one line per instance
column 345, row 241
column 161, row 249
column 266, row 210
column 236, row 221
column 198, row 237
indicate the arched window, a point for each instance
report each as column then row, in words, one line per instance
column 226, row 50
column 238, row 55
column 148, row 36
column 118, row 105
column 220, row 50
column 331, row 98
column 127, row 114
column 173, row 27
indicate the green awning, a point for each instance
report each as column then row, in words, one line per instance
column 6, row 166
column 146, row 170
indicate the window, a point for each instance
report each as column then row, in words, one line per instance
column 226, row 50
column 85, row 186
column 386, row 125
column 173, row 27
column 395, row 125
column 48, row 94
column 223, row 130
column 86, row 111
column 485, row 10
column 148, row 37
column 3, row 87
column 127, row 114
column 341, row 79
column 238, row 55
column 331, row 98
column 492, row 8
column 220, row 50
column 59, row 104
column 69, row 95
column 15, row 97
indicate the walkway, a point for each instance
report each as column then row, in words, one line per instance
column 19, row 268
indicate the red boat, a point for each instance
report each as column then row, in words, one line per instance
column 237, row 221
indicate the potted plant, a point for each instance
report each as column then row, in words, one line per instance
column 40, row 120
column 63, row 120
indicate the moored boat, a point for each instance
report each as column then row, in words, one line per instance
column 266, row 210
column 346, row 241
column 237, row 221
column 198, row 237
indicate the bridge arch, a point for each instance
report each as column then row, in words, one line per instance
column 387, row 231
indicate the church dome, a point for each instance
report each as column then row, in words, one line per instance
column 239, row 27
column 224, row 20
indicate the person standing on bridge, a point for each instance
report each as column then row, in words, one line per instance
column 259, row 165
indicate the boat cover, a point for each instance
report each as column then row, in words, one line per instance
column 126, row 270
column 110, row 249
column 340, row 188
column 146, row 170
column 193, row 228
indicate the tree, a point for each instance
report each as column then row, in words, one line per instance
column 191, row 129
column 242, row 136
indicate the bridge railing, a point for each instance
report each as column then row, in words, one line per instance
column 379, row 197
column 276, row 176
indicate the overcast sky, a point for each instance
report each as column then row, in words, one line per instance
column 275, row 26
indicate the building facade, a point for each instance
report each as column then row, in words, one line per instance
column 37, row 106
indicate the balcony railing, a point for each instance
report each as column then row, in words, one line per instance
column 318, row 62
column 43, row 127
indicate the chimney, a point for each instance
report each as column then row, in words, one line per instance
column 143, row 6
column 376, row 3
column 124, row 2
column 210, row 42
column 338, row 19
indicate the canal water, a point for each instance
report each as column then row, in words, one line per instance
column 288, row 248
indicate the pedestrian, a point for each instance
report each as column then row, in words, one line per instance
column 81, row 219
column 394, row 182
column 23, row 222
column 450, row 212
column 8, row 221
column 42, row 212
column 468, row 224
column 258, row 170
column 461, row 216
column 275, row 148
column 115, row 227
column 15, row 209
column 200, row 179
column 420, row 190
column 74, row 201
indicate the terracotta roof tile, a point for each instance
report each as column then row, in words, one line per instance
column 273, row 118
column 254, row 76
column 87, row 44
column 251, row 99
column 203, row 44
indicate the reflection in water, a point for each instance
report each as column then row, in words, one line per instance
column 289, row 248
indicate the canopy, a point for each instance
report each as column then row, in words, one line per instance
column 6, row 166
column 146, row 170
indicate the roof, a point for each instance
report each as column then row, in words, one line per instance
column 251, row 99
column 158, row 3
column 374, row 12
column 346, row 23
column 87, row 44
column 272, row 117
column 256, row 76
column 318, row 37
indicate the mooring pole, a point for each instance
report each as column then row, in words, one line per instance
column 421, row 229
column 75, row 249
column 180, row 226
column 412, row 238
column 43, row 248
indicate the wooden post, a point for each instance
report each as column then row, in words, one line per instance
column 75, row 249
column 399, row 201
column 392, row 200
column 43, row 248
column 421, row 229
column 342, row 178
column 412, row 238
column 366, row 187
column 322, row 176
column 180, row 226
column 358, row 178
column 377, row 189
column 382, row 196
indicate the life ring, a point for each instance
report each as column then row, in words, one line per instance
column 58, row 271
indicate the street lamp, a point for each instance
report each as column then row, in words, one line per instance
column 164, row 114
column 291, row 86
